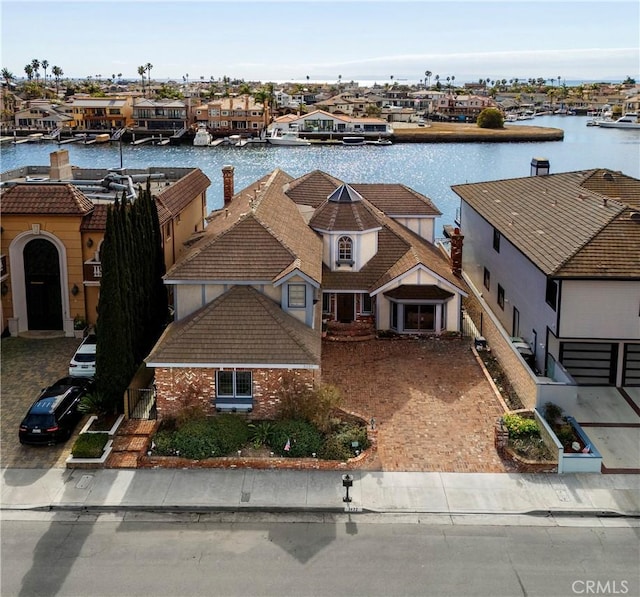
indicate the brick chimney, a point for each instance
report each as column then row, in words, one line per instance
column 227, row 183
column 60, row 168
column 456, row 252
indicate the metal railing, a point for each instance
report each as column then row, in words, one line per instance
column 141, row 403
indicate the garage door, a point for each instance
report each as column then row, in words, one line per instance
column 590, row 363
column 631, row 372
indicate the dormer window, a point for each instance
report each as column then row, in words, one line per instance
column 345, row 250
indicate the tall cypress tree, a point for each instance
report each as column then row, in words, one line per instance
column 113, row 354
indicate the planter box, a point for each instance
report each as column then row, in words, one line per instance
column 111, row 432
column 72, row 462
column 590, row 462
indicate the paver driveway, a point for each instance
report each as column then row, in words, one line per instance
column 434, row 408
column 28, row 365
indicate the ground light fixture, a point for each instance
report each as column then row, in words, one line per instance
column 347, row 481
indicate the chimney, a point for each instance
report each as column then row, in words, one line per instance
column 60, row 169
column 227, row 183
column 456, row 252
column 539, row 166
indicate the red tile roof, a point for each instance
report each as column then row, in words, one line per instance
column 50, row 199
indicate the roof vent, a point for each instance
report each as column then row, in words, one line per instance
column 608, row 176
column 634, row 216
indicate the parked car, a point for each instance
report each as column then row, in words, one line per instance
column 83, row 363
column 54, row 415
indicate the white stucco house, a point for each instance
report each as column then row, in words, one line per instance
column 556, row 258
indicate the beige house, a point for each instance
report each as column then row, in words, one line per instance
column 237, row 115
column 284, row 261
column 100, row 113
column 52, row 233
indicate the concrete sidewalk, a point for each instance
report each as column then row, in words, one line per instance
column 319, row 491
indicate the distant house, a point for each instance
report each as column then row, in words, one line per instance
column 100, row 113
column 556, row 259
column 241, row 114
column 160, row 115
column 52, row 233
column 281, row 260
column 42, row 115
column 320, row 121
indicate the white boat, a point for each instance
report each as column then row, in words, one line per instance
column 380, row 141
column 629, row 121
column 353, row 140
column 203, row 137
column 279, row 137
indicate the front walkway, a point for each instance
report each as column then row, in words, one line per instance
column 433, row 407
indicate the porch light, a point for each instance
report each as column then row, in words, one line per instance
column 75, row 290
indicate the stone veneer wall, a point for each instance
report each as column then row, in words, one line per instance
column 181, row 388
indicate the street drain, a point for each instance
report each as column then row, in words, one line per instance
column 84, row 481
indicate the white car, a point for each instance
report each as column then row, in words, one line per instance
column 83, row 363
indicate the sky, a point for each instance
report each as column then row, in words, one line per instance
column 366, row 40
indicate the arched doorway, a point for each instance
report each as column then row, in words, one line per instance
column 42, row 285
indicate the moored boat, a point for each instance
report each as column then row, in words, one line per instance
column 353, row 141
column 203, row 137
column 629, row 121
column 280, row 137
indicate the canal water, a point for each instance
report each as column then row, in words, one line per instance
column 429, row 168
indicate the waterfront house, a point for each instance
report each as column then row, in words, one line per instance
column 283, row 259
column 42, row 115
column 322, row 122
column 231, row 115
column 160, row 115
column 52, row 234
column 100, row 113
column 555, row 260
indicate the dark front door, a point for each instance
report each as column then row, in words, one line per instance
column 42, row 285
column 345, row 308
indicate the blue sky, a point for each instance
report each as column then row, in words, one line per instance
column 288, row 41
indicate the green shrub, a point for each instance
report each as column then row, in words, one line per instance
column 260, row 433
column 339, row 444
column 552, row 413
column 97, row 403
column 89, row 445
column 565, row 434
column 519, row 426
column 490, row 118
column 303, row 438
column 203, row 437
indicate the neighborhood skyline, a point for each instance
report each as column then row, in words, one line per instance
column 322, row 41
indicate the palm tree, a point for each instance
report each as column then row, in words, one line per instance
column 7, row 75
column 28, row 69
column 35, row 64
column 148, row 66
column 427, row 76
column 45, row 66
column 57, row 74
column 141, row 71
column 262, row 96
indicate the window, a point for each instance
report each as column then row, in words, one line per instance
column 500, row 296
column 487, row 279
column 552, row 293
column 297, row 296
column 345, row 250
column 496, row 240
column 326, row 302
column 365, row 304
column 233, row 384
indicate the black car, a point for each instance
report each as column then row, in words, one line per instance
column 54, row 415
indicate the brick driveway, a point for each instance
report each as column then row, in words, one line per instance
column 434, row 409
column 28, row 365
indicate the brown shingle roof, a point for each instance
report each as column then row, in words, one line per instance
column 51, row 199
column 179, row 195
column 242, row 327
column 397, row 200
column 615, row 185
column 313, row 188
column 259, row 235
column 552, row 218
column 344, row 210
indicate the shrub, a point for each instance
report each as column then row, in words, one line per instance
column 303, row 439
column 203, row 437
column 300, row 401
column 519, row 426
column 490, row 118
column 97, row 403
column 90, row 445
column 339, row 445
column 552, row 413
column 261, row 433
